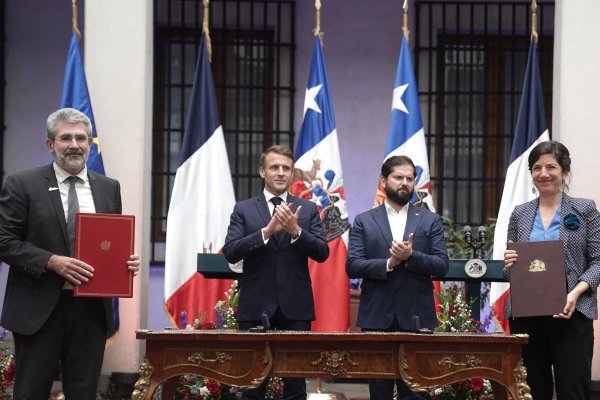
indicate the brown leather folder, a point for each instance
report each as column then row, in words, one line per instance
column 105, row 241
column 538, row 284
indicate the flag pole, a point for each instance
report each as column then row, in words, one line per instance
column 205, row 29
column 74, row 18
column 317, row 30
column 405, row 19
column 534, row 34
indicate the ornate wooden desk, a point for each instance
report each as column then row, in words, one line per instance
column 245, row 359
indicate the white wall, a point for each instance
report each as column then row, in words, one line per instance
column 118, row 64
column 576, row 104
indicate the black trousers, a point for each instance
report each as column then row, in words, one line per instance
column 75, row 336
column 293, row 388
column 383, row 389
column 559, row 346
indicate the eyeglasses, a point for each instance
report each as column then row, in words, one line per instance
column 66, row 139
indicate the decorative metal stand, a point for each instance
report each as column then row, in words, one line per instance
column 475, row 268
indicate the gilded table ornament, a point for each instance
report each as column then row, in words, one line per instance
column 335, row 361
column 521, row 386
column 199, row 359
column 470, row 362
column 143, row 384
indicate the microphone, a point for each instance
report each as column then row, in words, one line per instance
column 482, row 232
column 468, row 234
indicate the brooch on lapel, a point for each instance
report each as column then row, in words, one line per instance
column 571, row 222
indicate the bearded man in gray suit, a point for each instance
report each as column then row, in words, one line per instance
column 50, row 325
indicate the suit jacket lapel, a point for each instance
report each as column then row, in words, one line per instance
column 565, row 208
column 263, row 208
column 413, row 218
column 381, row 219
column 51, row 185
column 99, row 204
column 526, row 221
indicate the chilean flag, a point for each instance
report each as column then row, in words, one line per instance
column 531, row 129
column 406, row 135
column 318, row 177
column 201, row 202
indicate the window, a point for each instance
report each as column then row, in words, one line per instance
column 470, row 59
column 252, row 62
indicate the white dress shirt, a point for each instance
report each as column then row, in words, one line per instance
column 82, row 187
column 397, row 220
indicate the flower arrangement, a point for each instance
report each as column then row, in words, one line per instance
column 456, row 317
column 472, row 389
column 227, row 309
column 7, row 368
column 193, row 387
column 456, row 313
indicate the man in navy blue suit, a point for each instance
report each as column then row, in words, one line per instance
column 275, row 234
column 396, row 248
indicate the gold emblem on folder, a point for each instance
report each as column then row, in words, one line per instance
column 105, row 245
column 537, row 266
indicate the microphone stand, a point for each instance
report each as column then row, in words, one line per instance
column 473, row 286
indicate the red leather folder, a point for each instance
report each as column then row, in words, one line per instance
column 105, row 241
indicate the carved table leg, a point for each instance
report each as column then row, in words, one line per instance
column 142, row 386
column 521, row 388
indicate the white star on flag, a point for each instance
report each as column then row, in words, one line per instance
column 309, row 99
column 397, row 102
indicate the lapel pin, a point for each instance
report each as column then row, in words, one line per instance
column 50, row 189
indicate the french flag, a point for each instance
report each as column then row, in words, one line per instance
column 318, row 177
column 531, row 129
column 201, row 202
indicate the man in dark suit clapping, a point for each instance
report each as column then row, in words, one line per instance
column 275, row 234
column 37, row 208
column 396, row 248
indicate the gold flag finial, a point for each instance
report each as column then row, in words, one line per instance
column 74, row 18
column 317, row 30
column 405, row 19
column 205, row 29
column 534, row 34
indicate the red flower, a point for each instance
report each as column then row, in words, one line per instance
column 207, row 325
column 476, row 385
column 8, row 375
column 214, row 387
